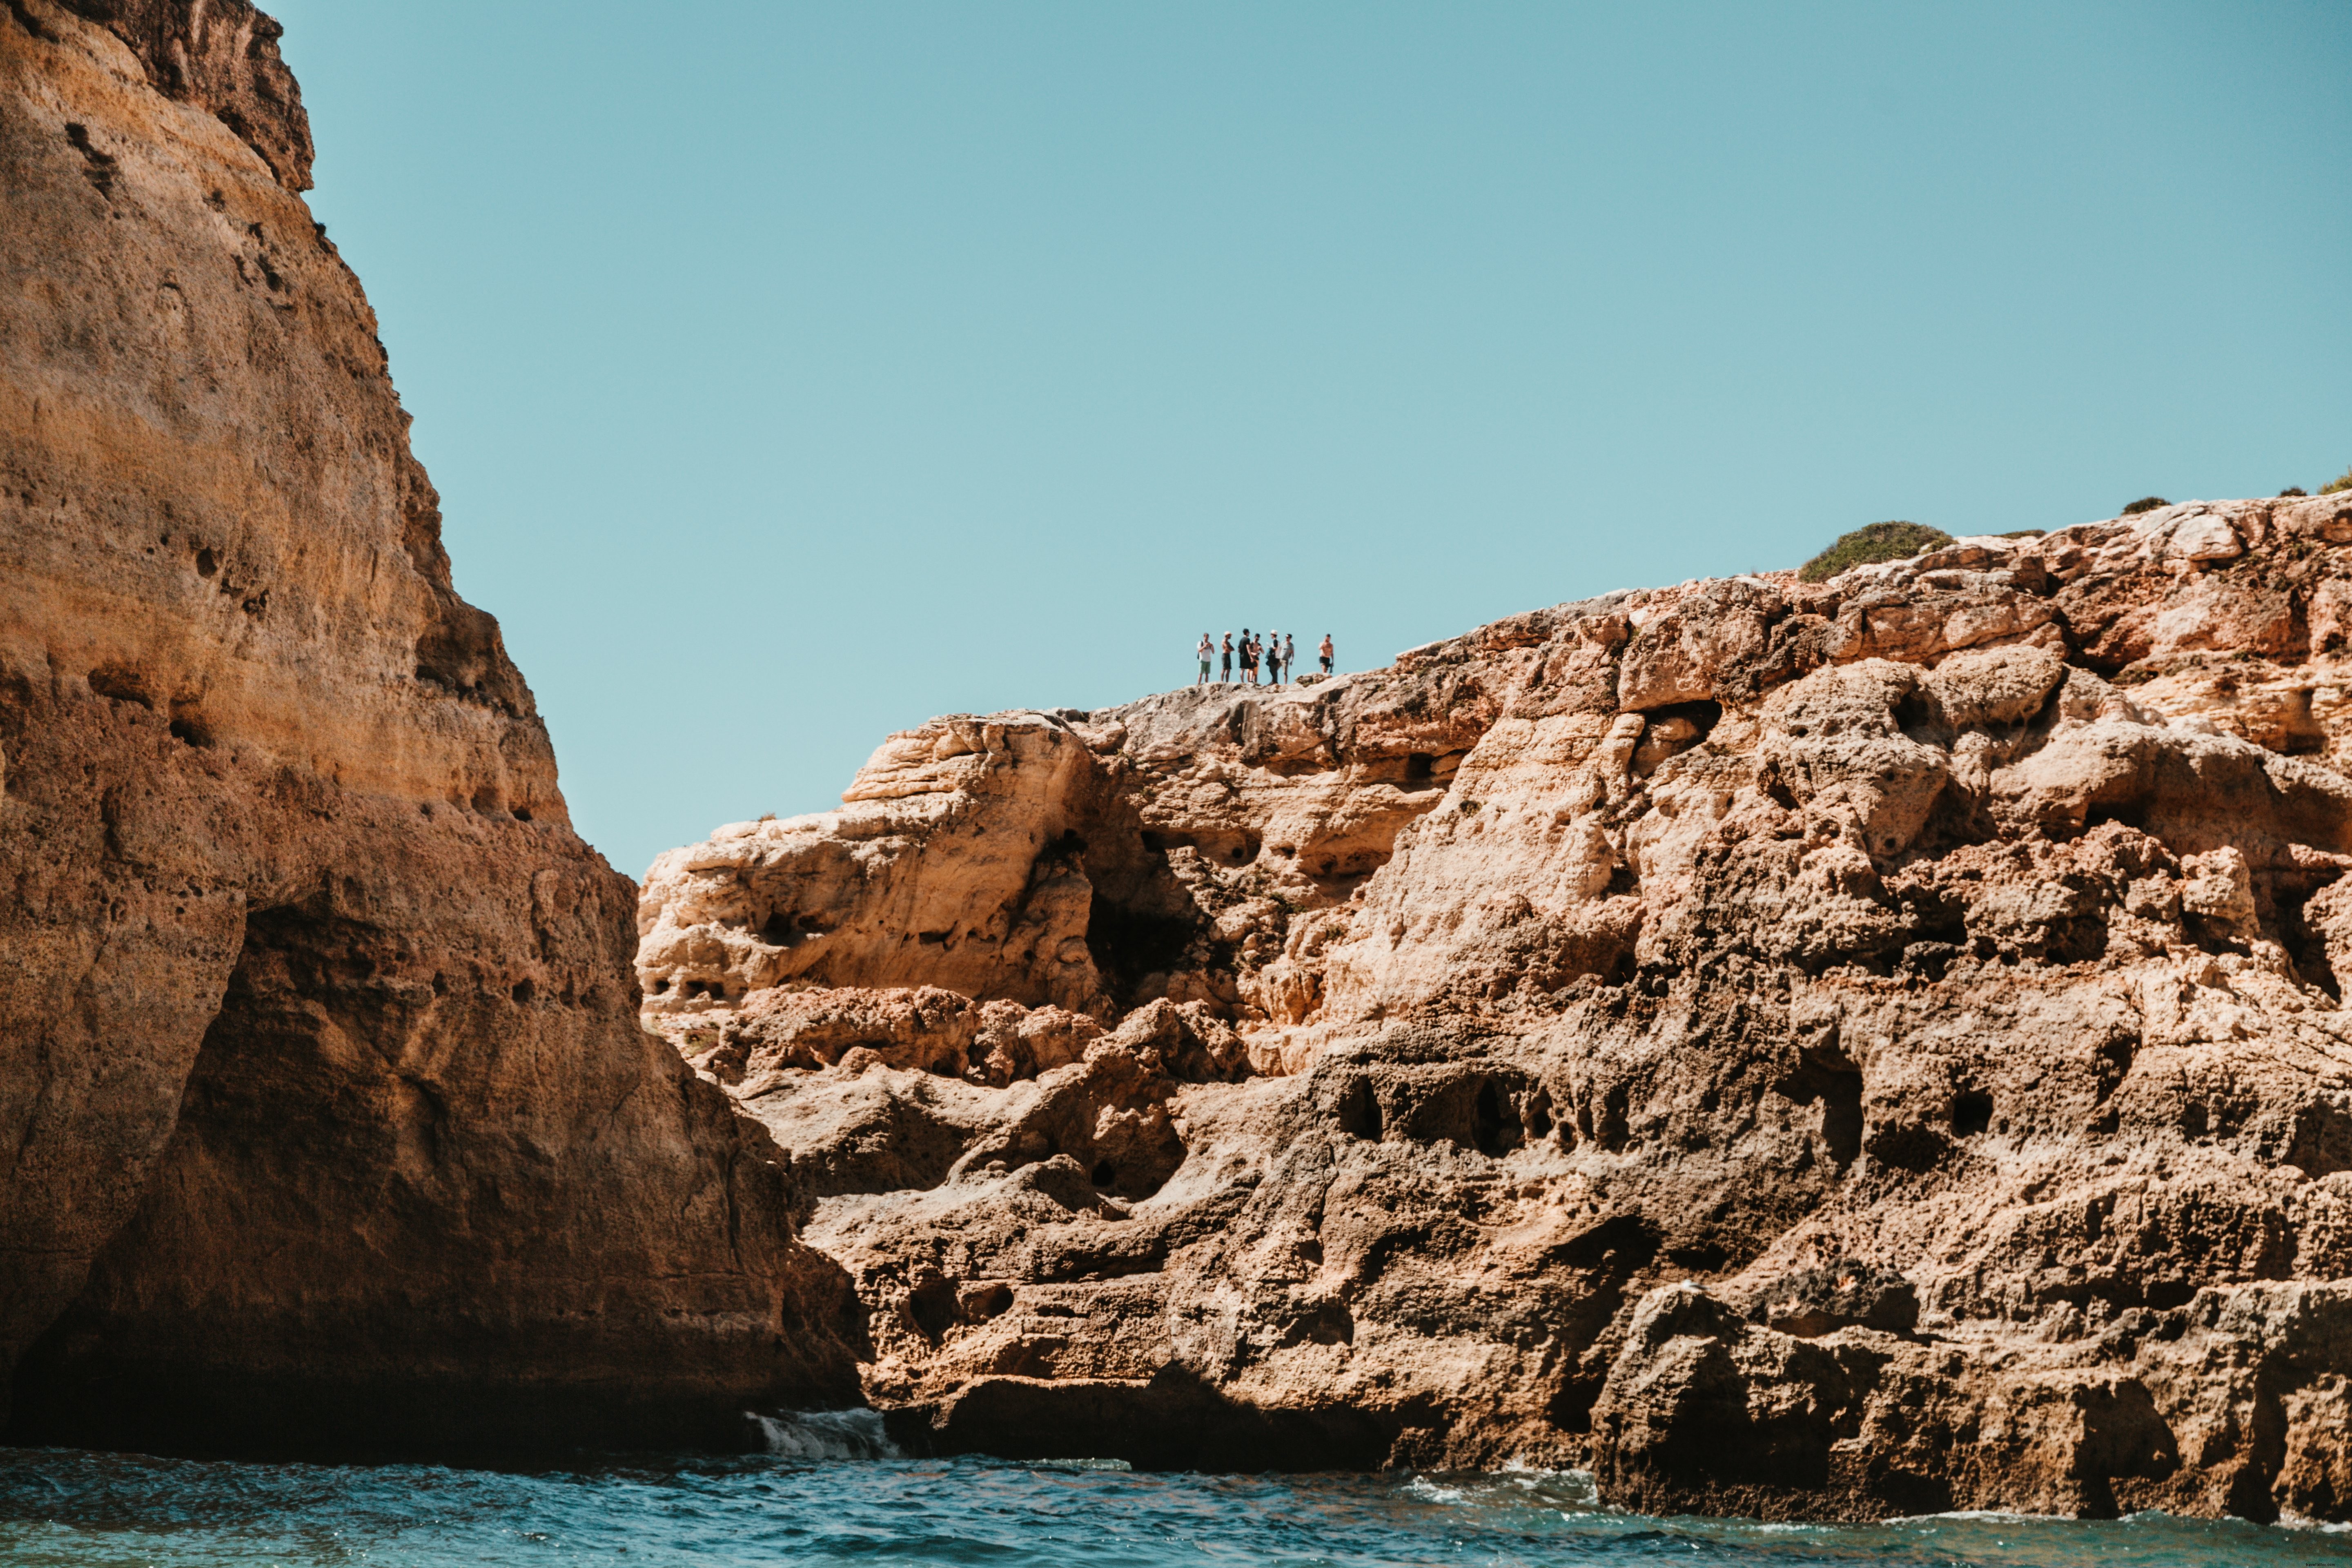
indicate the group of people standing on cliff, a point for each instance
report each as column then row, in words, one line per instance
column 1274, row 653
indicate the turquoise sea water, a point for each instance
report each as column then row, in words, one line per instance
column 66, row 1508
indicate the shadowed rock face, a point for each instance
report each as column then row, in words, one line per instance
column 1812, row 1050
column 328, row 1118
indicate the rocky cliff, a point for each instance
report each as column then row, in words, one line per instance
column 327, row 1116
column 1817, row 1050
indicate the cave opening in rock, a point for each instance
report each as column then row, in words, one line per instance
column 1129, row 944
column 1971, row 1112
column 1704, row 715
column 1829, row 1081
column 1494, row 1121
column 932, row 1305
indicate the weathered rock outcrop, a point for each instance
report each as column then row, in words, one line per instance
column 1836, row 1049
column 326, row 1112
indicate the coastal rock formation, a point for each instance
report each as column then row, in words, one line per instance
column 327, row 1115
column 1825, row 1050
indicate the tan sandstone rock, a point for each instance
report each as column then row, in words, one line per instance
column 329, row 1119
column 1828, row 1050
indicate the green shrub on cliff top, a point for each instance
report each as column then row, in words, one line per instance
column 2145, row 503
column 2343, row 482
column 1878, row 542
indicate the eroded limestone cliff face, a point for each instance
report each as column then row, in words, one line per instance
column 325, row 1113
column 1837, row 1049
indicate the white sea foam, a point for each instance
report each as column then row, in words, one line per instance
column 825, row 1435
column 1116, row 1464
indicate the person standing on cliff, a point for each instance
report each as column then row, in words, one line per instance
column 1326, row 651
column 1289, row 656
column 1226, row 678
column 1249, row 658
column 1207, row 650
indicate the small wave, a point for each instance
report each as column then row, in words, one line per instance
column 1120, row 1466
column 825, row 1435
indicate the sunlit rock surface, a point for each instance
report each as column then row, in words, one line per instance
column 326, row 1116
column 1844, row 1050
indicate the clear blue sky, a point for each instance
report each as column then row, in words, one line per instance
column 791, row 374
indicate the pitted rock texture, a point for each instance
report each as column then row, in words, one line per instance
column 1818, row 1050
column 328, row 1118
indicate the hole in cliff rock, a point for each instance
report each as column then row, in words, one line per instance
column 1360, row 1111
column 120, row 683
column 1105, row 1174
column 778, row 931
column 1971, row 1112
column 190, row 729
column 206, row 562
column 1418, row 767
column 1700, row 1257
column 2306, row 948
column 485, row 800
column 2213, row 935
column 1537, row 1114
column 1127, row 943
column 701, row 990
column 1703, row 714
column 2322, row 1144
column 522, row 814
column 661, row 988
column 524, row 991
column 2131, row 814
column 932, row 938
column 440, row 984
column 1620, row 1244
column 1571, row 1408
column 1067, row 848
column 1495, row 1124
column 1837, row 1089
column 932, row 1305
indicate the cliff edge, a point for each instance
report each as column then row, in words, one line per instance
column 328, row 1118
column 1827, row 1051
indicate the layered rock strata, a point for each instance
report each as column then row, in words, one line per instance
column 326, row 1113
column 1815, row 1050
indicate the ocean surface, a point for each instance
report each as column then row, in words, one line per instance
column 808, row 1503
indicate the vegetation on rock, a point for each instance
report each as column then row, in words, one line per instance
column 1878, row 542
column 2145, row 503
